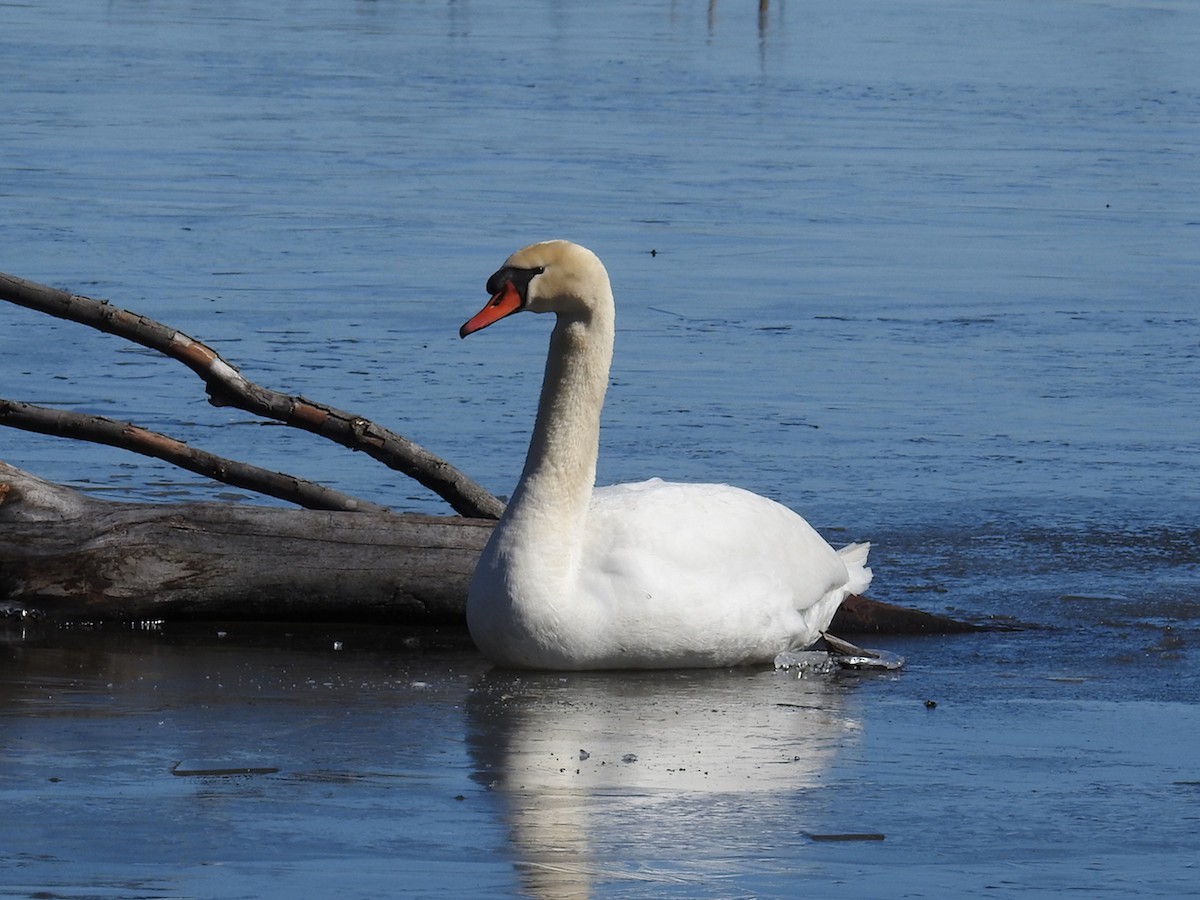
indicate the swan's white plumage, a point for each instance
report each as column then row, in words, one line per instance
column 647, row 575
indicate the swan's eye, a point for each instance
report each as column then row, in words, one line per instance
column 519, row 278
column 522, row 277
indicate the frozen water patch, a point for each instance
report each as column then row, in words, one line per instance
column 806, row 662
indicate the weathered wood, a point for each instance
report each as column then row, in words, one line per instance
column 226, row 386
column 72, row 557
column 69, row 556
column 862, row 615
column 127, row 436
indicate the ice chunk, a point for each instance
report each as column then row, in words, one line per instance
column 806, row 662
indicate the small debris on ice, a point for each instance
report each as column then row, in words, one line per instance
column 834, row 653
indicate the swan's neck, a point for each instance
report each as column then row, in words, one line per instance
column 549, row 505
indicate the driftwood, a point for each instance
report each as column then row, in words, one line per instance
column 227, row 387
column 69, row 556
column 72, row 557
column 126, row 435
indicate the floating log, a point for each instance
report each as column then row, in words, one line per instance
column 68, row 556
column 862, row 615
column 71, row 557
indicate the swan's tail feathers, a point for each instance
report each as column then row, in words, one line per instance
column 855, row 558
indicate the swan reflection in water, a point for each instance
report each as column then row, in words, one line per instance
column 663, row 777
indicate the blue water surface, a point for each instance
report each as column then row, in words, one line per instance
column 926, row 272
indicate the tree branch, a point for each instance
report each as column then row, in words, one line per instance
column 127, row 436
column 227, row 387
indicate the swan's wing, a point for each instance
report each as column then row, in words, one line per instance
column 710, row 557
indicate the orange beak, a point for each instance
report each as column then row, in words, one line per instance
column 504, row 303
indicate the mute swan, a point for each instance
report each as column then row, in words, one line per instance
column 651, row 575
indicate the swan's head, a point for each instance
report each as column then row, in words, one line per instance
column 553, row 276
